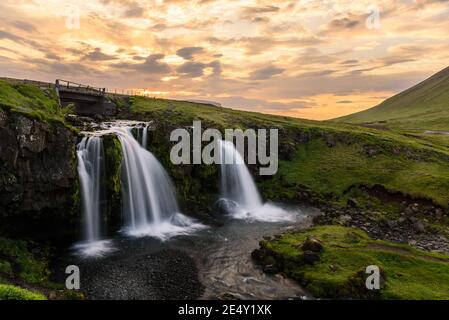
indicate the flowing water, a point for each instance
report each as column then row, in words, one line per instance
column 90, row 169
column 150, row 206
column 149, row 200
column 240, row 196
column 236, row 181
column 144, row 142
column 144, row 268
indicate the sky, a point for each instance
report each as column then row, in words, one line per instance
column 313, row 59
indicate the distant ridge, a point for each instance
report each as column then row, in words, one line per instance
column 423, row 106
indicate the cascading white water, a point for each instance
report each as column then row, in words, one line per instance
column 144, row 137
column 149, row 199
column 237, row 183
column 240, row 196
column 90, row 165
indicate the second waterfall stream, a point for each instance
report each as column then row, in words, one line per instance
column 239, row 193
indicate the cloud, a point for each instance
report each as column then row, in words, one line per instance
column 192, row 69
column 151, row 65
column 189, row 52
column 98, row 55
column 344, row 101
column 262, row 9
column 134, row 10
column 23, row 25
column 265, row 73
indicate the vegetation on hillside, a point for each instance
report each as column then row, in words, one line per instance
column 324, row 158
column 338, row 270
column 422, row 107
column 32, row 101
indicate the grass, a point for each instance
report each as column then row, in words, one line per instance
column 9, row 292
column 32, row 102
column 332, row 171
column 422, row 107
column 409, row 273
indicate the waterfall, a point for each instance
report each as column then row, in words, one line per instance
column 240, row 196
column 90, row 169
column 150, row 207
column 237, row 183
column 144, row 137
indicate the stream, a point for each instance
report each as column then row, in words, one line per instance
column 210, row 264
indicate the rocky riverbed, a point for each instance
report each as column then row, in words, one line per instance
column 409, row 227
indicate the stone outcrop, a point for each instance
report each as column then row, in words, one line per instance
column 38, row 178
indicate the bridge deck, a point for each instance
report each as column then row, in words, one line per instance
column 73, row 87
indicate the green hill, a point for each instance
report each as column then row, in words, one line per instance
column 422, row 107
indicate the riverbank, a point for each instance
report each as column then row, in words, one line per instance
column 330, row 261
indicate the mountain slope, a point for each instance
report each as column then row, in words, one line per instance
column 422, row 107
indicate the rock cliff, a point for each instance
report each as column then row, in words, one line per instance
column 38, row 178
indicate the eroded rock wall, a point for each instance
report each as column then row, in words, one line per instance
column 38, row 177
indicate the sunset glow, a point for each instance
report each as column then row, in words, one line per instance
column 313, row 59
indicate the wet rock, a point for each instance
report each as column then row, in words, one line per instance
column 344, row 219
column 439, row 214
column 228, row 296
column 270, row 269
column 391, row 224
column 412, row 209
column 419, row 227
column 312, row 244
column 370, row 150
column 310, row 257
column 353, row 203
column 3, row 118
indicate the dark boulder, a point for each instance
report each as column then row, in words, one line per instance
column 310, row 257
column 312, row 244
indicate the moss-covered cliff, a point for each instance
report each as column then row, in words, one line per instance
column 320, row 162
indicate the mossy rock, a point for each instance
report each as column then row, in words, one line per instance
column 112, row 182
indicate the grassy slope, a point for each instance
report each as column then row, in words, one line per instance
column 422, row 107
column 31, row 101
column 334, row 170
column 420, row 169
column 409, row 273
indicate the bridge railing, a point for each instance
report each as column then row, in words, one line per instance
column 78, row 87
